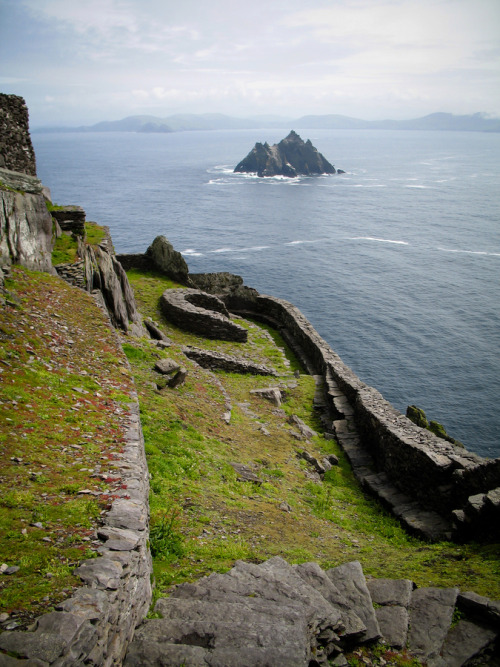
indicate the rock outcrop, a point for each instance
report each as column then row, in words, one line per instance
column 291, row 157
column 26, row 229
column 277, row 614
column 167, row 260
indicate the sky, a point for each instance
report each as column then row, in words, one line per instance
column 77, row 62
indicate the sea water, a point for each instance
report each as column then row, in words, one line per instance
column 396, row 263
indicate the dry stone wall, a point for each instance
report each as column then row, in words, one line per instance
column 16, row 149
column 436, row 473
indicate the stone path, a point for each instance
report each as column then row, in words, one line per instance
column 416, row 519
column 278, row 615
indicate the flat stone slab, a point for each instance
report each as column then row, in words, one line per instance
column 161, row 655
column 431, row 613
column 119, row 539
column 53, row 633
column 393, row 622
column 463, row 642
column 390, row 591
column 351, row 582
column 101, row 573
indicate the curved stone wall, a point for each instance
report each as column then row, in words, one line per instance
column 200, row 313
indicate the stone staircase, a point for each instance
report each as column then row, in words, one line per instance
column 278, row 615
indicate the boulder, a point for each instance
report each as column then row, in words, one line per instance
column 291, row 157
column 167, row 260
column 166, row 366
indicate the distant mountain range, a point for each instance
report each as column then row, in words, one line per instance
column 477, row 122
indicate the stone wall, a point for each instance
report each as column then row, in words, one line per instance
column 200, row 313
column 16, row 149
column 440, row 475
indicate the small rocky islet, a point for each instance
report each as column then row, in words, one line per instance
column 291, row 157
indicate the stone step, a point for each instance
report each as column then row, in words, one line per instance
column 277, row 614
column 147, row 654
column 393, row 598
column 225, row 626
column 431, row 614
column 350, row 581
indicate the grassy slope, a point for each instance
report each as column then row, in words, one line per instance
column 53, row 339
column 61, row 372
column 204, row 518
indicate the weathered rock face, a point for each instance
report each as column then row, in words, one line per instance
column 108, row 275
column 291, row 157
column 25, row 224
column 275, row 614
column 167, row 260
column 16, row 149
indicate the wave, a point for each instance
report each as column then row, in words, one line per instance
column 470, row 252
column 304, row 241
column 419, row 187
column 374, row 238
column 251, row 249
column 190, row 252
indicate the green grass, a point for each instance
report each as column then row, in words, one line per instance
column 189, row 448
column 94, row 233
column 58, row 425
column 65, row 250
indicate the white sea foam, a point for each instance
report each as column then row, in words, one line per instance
column 374, row 238
column 470, row 252
column 418, row 187
column 191, row 252
column 252, row 249
column 304, row 241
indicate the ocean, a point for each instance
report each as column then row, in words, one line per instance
column 396, row 263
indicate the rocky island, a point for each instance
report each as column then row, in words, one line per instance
column 291, row 157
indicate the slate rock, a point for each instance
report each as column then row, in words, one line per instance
column 155, row 332
column 431, row 613
column 304, row 429
column 167, row 260
column 312, row 574
column 350, row 581
column 479, row 607
column 53, row 633
column 393, row 623
column 88, row 603
column 272, row 394
column 390, row 591
column 101, row 573
column 245, row 474
column 465, row 641
column 178, row 379
column 166, row 366
column 119, row 539
column 128, row 514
